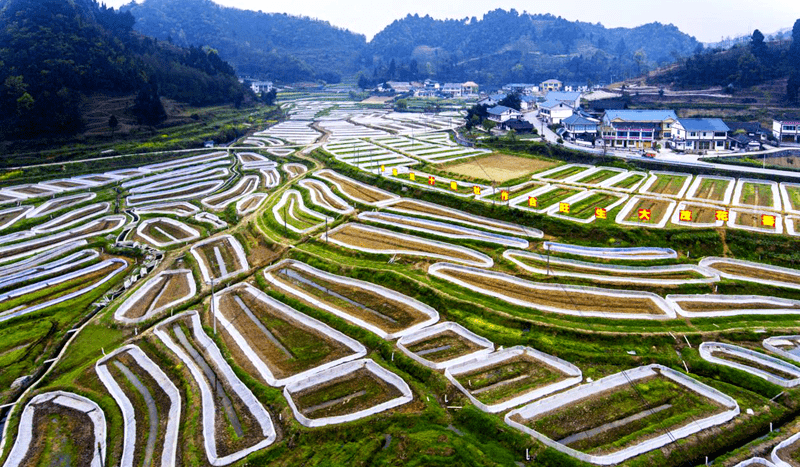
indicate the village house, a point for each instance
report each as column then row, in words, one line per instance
column 261, row 86
column 636, row 129
column 573, row 99
column 580, row 126
column 553, row 112
column 551, row 85
column 501, row 114
column 787, row 129
column 700, row 134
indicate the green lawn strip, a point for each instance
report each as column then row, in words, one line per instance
column 656, row 207
column 667, row 184
column 599, row 176
column 566, row 172
column 529, row 374
column 629, row 181
column 545, row 200
column 584, row 208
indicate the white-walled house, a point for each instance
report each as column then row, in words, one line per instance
column 261, row 86
column 700, row 134
column 553, row 112
column 501, row 114
column 787, row 130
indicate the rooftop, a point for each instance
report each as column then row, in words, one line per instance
column 640, row 115
column 704, row 124
column 499, row 110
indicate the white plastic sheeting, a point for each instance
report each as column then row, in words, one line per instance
column 176, row 208
column 625, row 378
column 236, row 249
column 780, row 306
column 292, row 199
column 335, row 177
column 774, row 188
column 709, row 263
column 425, row 333
column 76, row 216
column 554, row 210
column 774, row 344
column 170, row 436
column 243, row 187
column 726, row 197
column 707, row 348
column 625, row 212
column 191, row 232
column 156, row 281
column 57, row 204
column 255, row 198
column 319, row 192
column 636, row 253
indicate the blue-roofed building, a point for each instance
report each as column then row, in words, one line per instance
column 527, row 103
column 553, row 111
column 700, row 134
column 492, row 99
column 573, row 99
column 501, row 113
column 636, row 129
column 580, row 126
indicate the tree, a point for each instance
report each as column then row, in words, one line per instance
column 793, row 87
column 489, row 125
column 757, row 45
column 794, row 50
column 401, row 104
column 148, row 107
column 512, row 101
column 392, row 70
column 113, row 123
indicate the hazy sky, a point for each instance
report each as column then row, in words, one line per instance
column 707, row 20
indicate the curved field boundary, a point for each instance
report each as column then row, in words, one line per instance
column 767, row 268
column 788, row 205
column 192, row 233
column 479, row 259
column 553, row 211
column 68, row 262
column 192, row 161
column 432, row 314
column 410, row 339
column 294, row 169
column 175, row 174
column 57, row 204
column 40, row 258
column 430, row 227
column 645, row 189
column 170, row 436
column 546, row 174
column 272, row 178
column 212, row 219
column 631, row 254
column 735, row 213
column 572, row 372
column 626, row 211
column 706, row 349
column 757, row 461
column 31, row 191
column 609, row 184
column 235, row 246
column 176, row 208
column 295, row 200
column 338, row 372
column 320, row 195
column 684, row 205
column 775, row 455
column 14, row 214
column 176, row 182
column 208, row 402
column 774, row 187
column 133, row 300
column 252, row 160
column 185, row 192
column 611, row 269
column 726, row 197
column 70, row 401
column 335, row 178
column 356, row 347
column 619, row 380
column 73, row 275
column 63, row 221
column 461, row 217
column 70, row 184
column 440, row 270
column 244, row 187
column 254, row 200
column 521, row 201
column 772, row 343
column 675, row 300
column 280, row 152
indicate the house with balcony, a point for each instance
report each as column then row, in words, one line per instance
column 501, row 114
column 636, row 129
column 786, row 129
column 551, row 85
column 573, row 99
column 470, row 88
column 452, row 90
column 261, row 86
column 580, row 126
column 700, row 134
column 553, row 112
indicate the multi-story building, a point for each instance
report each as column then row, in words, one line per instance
column 553, row 112
column 636, row 129
column 787, row 129
column 700, row 134
column 501, row 114
column 580, row 125
column 551, row 85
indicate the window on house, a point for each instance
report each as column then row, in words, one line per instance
column 693, row 134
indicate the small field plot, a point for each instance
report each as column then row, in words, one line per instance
column 582, row 207
column 496, row 196
column 11, row 215
column 712, row 189
column 757, row 194
column 167, row 289
column 385, row 312
column 150, row 404
column 323, row 196
column 348, row 392
column 357, row 191
column 667, row 184
column 272, row 178
column 163, row 231
column 282, row 344
column 444, row 345
column 756, row 221
column 787, row 347
column 562, row 173
column 60, row 428
column 550, row 196
column 195, row 190
column 435, row 211
column 441, row 229
column 787, row 452
column 511, row 377
column 646, row 211
column 601, row 272
column 292, row 213
column 72, row 218
column 220, row 257
column 250, row 203
column 498, row 168
column 243, row 187
column 294, row 170
column 790, row 195
column 774, row 370
column 53, row 205
column 177, row 208
column 700, row 215
column 375, row 240
column 629, row 254
column 753, row 272
column 623, row 415
column 628, row 182
column 709, row 306
column 598, row 175
column 235, row 423
column 563, row 299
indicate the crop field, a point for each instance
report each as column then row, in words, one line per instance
column 167, row 232
column 354, row 190
column 585, row 208
column 712, row 189
column 753, row 363
column 324, row 197
column 629, row 182
column 512, row 193
column 754, row 220
column 159, row 293
column 345, row 395
column 614, row 420
column 658, row 209
column 220, row 258
column 566, row 172
column 598, row 177
column 793, row 192
column 422, row 209
column 498, row 168
column 756, row 194
column 444, row 346
column 755, row 272
column 508, row 379
column 243, row 187
column 701, row 213
column 558, row 193
column 665, row 184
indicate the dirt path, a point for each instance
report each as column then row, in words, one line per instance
column 152, row 411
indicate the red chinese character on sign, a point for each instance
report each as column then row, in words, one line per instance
column 476, row 190
column 600, row 213
column 503, row 195
column 767, row 220
column 563, row 208
column 721, row 216
column 644, row 214
column 532, row 202
column 685, row 216
column 431, row 180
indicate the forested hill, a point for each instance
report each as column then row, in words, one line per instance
column 279, row 46
column 505, row 46
column 55, row 53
